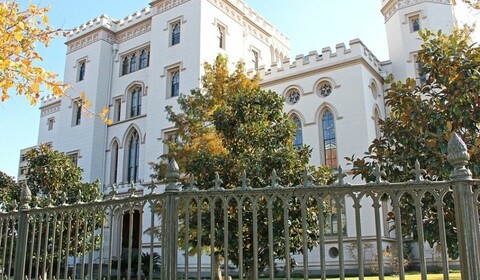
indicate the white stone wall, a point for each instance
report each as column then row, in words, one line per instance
column 402, row 42
column 352, row 71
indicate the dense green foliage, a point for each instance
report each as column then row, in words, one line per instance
column 230, row 126
column 422, row 119
column 55, row 180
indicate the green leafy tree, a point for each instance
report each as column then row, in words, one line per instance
column 55, row 180
column 8, row 190
column 422, row 119
column 230, row 126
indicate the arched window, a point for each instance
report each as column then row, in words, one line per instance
column 255, row 59
column 221, row 36
column 114, row 163
column 175, row 84
column 144, row 59
column 81, row 74
column 175, row 33
column 133, row 63
column 133, row 157
column 376, row 119
column 298, row 141
column 125, row 66
column 136, row 102
column 329, row 140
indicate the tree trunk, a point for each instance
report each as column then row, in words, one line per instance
column 250, row 274
column 216, row 267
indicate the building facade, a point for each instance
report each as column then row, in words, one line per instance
column 140, row 64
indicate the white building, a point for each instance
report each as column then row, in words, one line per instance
column 140, row 64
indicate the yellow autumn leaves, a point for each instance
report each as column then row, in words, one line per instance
column 19, row 32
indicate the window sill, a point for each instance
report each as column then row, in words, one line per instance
column 127, row 120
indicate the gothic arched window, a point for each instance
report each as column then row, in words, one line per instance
column 133, row 157
column 175, row 83
column 175, row 33
column 133, row 63
column 114, row 163
column 125, row 66
column 329, row 140
column 144, row 59
column 298, row 141
column 136, row 102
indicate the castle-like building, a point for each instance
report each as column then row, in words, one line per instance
column 138, row 65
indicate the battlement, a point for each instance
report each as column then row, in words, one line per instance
column 260, row 21
column 326, row 58
column 113, row 25
column 48, row 100
column 254, row 23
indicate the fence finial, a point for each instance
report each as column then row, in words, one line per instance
column 191, row 183
column 340, row 176
column 245, row 181
column 307, row 178
column 217, row 182
column 25, row 197
column 378, row 173
column 274, row 180
column 458, row 157
column 172, row 176
column 418, row 172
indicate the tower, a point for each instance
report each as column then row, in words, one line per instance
column 403, row 20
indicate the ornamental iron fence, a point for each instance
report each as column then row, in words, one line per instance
column 307, row 231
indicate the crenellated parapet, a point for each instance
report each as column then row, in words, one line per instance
column 390, row 7
column 254, row 23
column 118, row 31
column 109, row 30
column 50, row 104
column 356, row 51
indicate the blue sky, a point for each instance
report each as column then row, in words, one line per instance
column 309, row 24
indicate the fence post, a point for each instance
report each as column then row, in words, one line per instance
column 21, row 250
column 171, row 220
column 466, row 214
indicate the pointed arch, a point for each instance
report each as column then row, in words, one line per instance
column 327, row 106
column 133, row 94
column 376, row 117
column 114, row 156
column 132, row 155
column 328, row 137
column 298, row 114
column 128, row 131
column 298, row 140
column 117, row 140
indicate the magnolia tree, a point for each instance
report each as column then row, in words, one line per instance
column 421, row 120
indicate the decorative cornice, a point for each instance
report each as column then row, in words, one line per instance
column 50, row 109
column 133, row 32
column 109, row 36
column 101, row 34
column 253, row 22
column 162, row 6
column 392, row 6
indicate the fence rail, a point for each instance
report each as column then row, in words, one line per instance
column 305, row 231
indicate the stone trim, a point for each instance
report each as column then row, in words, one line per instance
column 389, row 9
